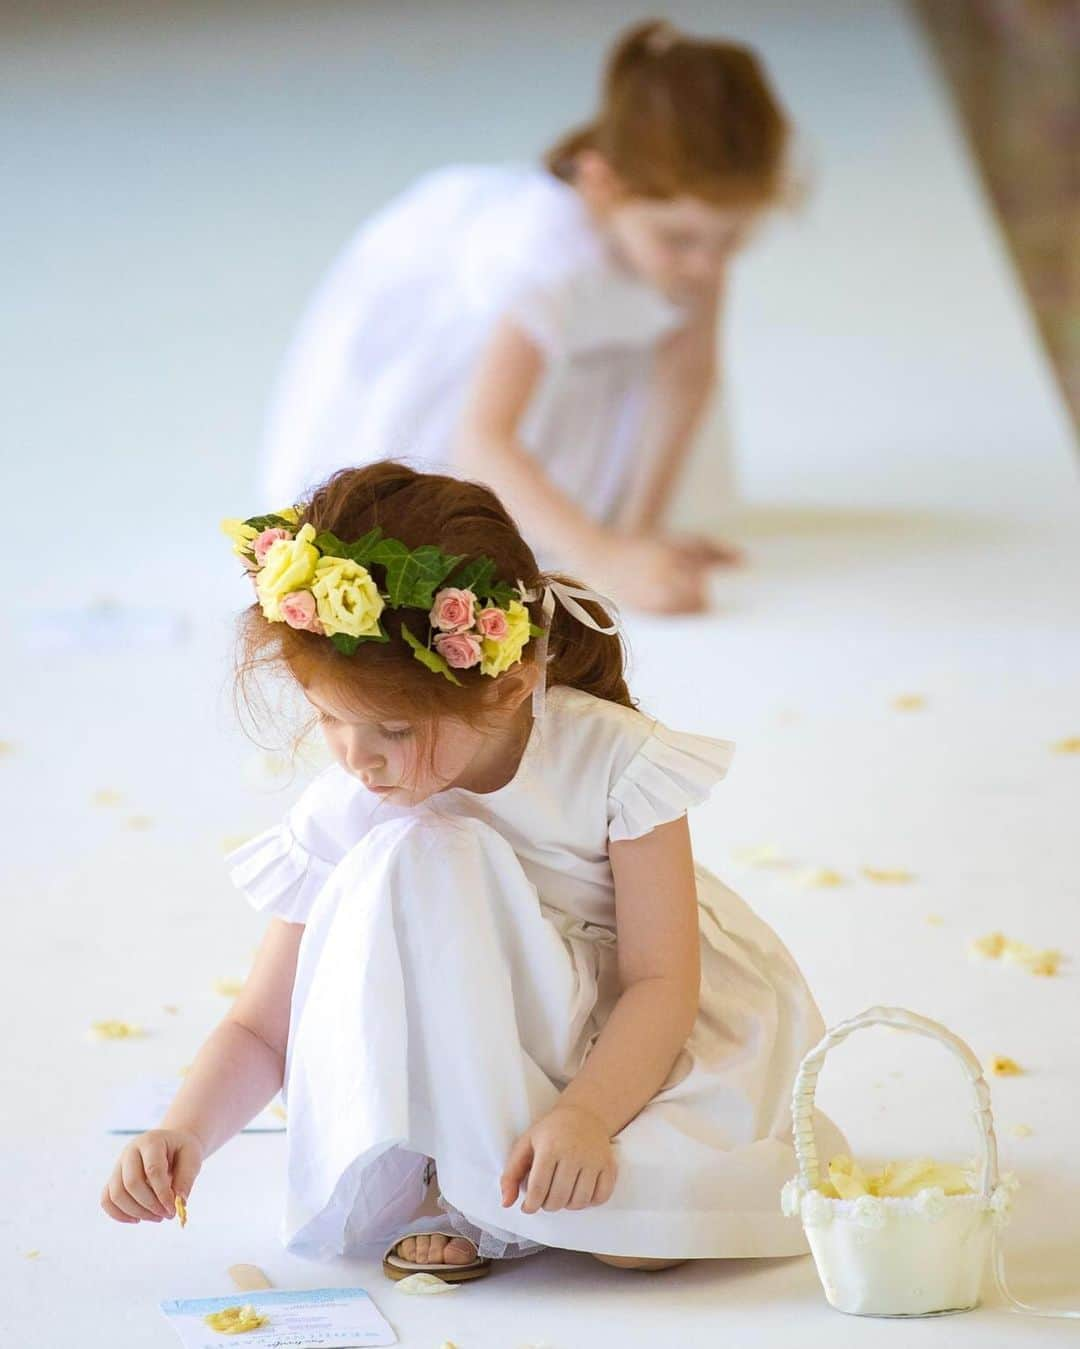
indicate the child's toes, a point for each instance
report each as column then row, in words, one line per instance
column 459, row 1251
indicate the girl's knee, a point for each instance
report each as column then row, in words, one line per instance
column 635, row 1262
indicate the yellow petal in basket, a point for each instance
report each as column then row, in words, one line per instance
column 235, row 1320
column 896, row 1180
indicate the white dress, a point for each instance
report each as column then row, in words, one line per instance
column 459, row 961
column 383, row 357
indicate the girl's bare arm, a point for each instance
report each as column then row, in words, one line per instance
column 241, row 1065
column 660, row 972
column 489, row 448
column 684, row 379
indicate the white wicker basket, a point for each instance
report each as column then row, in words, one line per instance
column 918, row 1256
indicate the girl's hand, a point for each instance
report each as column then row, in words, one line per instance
column 150, row 1172
column 708, row 551
column 568, row 1159
column 651, row 574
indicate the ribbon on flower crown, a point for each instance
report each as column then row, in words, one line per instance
column 568, row 597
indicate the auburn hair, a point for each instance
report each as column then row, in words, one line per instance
column 682, row 116
column 384, row 678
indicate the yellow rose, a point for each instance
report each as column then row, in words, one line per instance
column 242, row 536
column 346, row 597
column 289, row 565
column 290, row 513
column 498, row 655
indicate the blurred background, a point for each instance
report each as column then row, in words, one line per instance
column 898, row 663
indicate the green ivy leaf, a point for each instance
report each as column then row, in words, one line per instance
column 413, row 577
column 261, row 522
column 502, row 594
column 535, row 631
column 331, row 546
column 431, row 659
column 475, row 576
column 345, row 644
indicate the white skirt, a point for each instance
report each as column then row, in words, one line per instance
column 441, row 1007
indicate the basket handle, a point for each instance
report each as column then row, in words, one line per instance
column 802, row 1100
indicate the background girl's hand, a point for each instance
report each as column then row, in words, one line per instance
column 711, row 552
column 651, row 574
column 151, row 1171
column 568, row 1159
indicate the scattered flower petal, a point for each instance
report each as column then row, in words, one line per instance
column 6, row 747
column 1070, row 745
column 424, row 1284
column 909, row 702
column 116, row 1030
column 279, row 1111
column 1021, row 1131
column 758, row 855
column 31, row 1255
column 1001, row 1066
column 935, row 919
column 229, row 988
column 996, row 946
column 820, row 877
column 139, row 822
column 885, row 876
column 233, row 841
column 107, row 797
column 171, row 1008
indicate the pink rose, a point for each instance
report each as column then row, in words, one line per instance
column 453, row 610
column 265, row 540
column 458, row 649
column 492, row 623
column 298, row 610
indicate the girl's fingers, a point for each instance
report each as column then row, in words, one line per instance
column 540, row 1174
column 582, row 1194
column 114, row 1212
column 135, row 1182
column 126, row 1203
column 562, row 1186
column 155, row 1162
column 517, row 1168
column 186, row 1164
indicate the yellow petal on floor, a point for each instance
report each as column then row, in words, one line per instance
column 107, row 797
column 181, row 1210
column 1001, row 1066
column 424, row 1284
column 185, row 1070
column 116, row 1030
column 820, row 878
column 6, row 747
column 31, row 1255
column 139, row 822
column 885, row 876
column 236, row 1320
column 1070, row 745
column 229, row 988
column 935, row 919
column 909, row 702
column 279, row 1111
column 1021, row 1131
column 233, row 841
column 989, row 947
column 171, row 1009
column 758, row 855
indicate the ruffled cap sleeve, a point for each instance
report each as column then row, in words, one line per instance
column 670, row 772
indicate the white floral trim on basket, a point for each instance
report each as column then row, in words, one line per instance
column 874, row 1211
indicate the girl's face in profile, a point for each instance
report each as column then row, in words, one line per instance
column 680, row 247
column 385, row 754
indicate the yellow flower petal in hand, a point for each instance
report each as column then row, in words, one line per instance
column 181, row 1209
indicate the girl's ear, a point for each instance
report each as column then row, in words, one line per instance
column 597, row 181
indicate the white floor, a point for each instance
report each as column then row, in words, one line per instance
column 175, row 184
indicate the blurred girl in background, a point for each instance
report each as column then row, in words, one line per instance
column 552, row 331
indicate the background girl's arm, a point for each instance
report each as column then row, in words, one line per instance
column 684, row 378
column 660, row 973
column 489, row 448
column 241, row 1065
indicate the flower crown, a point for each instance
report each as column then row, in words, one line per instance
column 317, row 583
